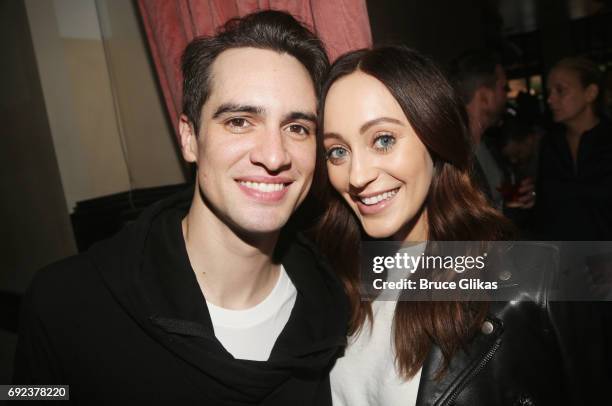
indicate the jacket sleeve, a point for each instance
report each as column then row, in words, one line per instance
column 36, row 362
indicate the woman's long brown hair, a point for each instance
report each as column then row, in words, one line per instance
column 456, row 209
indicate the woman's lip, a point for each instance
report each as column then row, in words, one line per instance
column 378, row 207
column 363, row 196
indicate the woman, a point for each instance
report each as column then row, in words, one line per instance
column 575, row 175
column 398, row 157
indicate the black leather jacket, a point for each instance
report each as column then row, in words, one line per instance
column 530, row 351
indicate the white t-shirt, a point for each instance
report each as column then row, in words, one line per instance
column 251, row 333
column 367, row 374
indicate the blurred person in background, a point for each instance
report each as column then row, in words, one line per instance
column 516, row 144
column 481, row 82
column 575, row 174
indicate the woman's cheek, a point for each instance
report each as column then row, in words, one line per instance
column 335, row 177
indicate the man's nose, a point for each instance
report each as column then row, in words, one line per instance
column 362, row 171
column 271, row 152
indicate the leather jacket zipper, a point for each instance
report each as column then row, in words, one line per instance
column 451, row 399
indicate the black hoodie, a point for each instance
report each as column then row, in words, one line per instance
column 127, row 321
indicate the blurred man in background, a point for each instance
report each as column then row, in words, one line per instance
column 481, row 82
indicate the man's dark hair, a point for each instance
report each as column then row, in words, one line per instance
column 472, row 70
column 270, row 29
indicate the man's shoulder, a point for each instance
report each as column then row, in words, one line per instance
column 62, row 284
column 67, row 267
column 304, row 251
column 308, row 265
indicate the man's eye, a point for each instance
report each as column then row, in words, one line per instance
column 238, row 123
column 336, row 155
column 384, row 142
column 298, row 129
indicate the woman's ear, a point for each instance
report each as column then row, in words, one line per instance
column 188, row 139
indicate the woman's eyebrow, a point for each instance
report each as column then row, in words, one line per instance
column 365, row 127
column 379, row 120
column 333, row 135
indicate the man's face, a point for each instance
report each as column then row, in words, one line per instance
column 495, row 102
column 256, row 147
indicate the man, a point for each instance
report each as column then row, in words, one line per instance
column 481, row 82
column 198, row 301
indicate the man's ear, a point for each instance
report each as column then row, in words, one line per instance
column 485, row 97
column 189, row 140
column 591, row 92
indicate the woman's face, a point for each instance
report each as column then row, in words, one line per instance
column 567, row 98
column 375, row 160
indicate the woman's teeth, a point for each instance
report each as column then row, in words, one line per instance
column 263, row 187
column 369, row 201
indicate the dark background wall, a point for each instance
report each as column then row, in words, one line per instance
column 32, row 207
column 35, row 225
column 439, row 28
column 525, row 32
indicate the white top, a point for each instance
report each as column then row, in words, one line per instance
column 250, row 334
column 367, row 374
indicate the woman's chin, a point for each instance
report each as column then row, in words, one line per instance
column 380, row 233
column 414, row 229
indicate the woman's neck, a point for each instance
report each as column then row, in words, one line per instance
column 582, row 123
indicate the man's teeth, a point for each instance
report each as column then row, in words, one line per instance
column 378, row 198
column 264, row 187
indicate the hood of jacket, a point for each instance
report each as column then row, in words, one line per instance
column 147, row 270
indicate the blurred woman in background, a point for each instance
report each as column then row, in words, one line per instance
column 574, row 193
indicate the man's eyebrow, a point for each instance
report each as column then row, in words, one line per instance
column 379, row 120
column 300, row 115
column 238, row 108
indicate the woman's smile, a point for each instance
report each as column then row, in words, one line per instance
column 374, row 203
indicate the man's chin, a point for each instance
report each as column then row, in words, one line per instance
column 258, row 223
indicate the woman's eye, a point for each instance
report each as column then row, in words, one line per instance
column 384, row 142
column 336, row 155
column 299, row 129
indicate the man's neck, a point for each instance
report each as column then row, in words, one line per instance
column 477, row 123
column 233, row 271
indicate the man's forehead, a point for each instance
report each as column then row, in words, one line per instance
column 254, row 76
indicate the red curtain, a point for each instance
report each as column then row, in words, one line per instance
column 343, row 25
